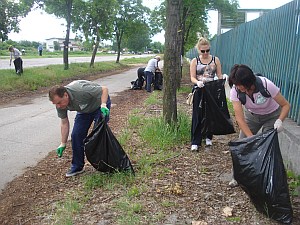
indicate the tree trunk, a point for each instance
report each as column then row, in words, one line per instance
column 67, row 39
column 171, row 60
column 95, row 51
column 119, row 40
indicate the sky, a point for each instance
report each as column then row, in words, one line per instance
column 38, row 25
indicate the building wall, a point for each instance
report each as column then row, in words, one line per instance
column 50, row 46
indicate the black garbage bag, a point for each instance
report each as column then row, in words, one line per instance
column 259, row 170
column 104, row 152
column 158, row 80
column 211, row 111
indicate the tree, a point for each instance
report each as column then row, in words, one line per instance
column 10, row 13
column 171, row 59
column 157, row 47
column 193, row 18
column 95, row 20
column 193, row 15
column 137, row 41
column 128, row 13
column 61, row 9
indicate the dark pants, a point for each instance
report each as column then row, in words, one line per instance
column 18, row 62
column 141, row 76
column 40, row 52
column 80, row 130
column 149, row 78
column 197, row 117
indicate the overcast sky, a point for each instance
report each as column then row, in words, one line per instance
column 38, row 25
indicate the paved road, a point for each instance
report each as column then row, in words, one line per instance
column 29, row 128
column 4, row 63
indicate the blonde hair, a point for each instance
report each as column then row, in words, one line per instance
column 202, row 41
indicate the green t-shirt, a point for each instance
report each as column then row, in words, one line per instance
column 85, row 97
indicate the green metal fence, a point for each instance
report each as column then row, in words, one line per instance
column 269, row 45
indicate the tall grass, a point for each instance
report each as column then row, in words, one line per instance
column 160, row 135
column 36, row 77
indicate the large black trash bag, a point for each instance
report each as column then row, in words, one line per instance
column 211, row 107
column 259, row 170
column 104, row 152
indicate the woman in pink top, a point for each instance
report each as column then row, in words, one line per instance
column 264, row 106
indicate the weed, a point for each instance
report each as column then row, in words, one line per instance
column 233, row 219
column 294, row 183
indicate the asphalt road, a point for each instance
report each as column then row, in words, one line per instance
column 4, row 63
column 30, row 128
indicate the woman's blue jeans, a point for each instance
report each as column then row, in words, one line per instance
column 82, row 124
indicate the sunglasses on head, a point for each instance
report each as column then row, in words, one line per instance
column 203, row 51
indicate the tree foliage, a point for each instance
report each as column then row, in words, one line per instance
column 95, row 20
column 193, row 18
column 129, row 13
column 10, row 14
column 137, row 37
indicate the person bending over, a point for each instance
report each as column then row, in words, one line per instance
column 92, row 102
column 257, row 103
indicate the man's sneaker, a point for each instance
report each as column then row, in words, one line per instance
column 208, row 142
column 194, row 148
column 233, row 183
column 73, row 172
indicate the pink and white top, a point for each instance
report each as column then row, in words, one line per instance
column 259, row 105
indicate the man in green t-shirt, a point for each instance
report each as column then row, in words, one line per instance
column 92, row 102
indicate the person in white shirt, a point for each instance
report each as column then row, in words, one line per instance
column 18, row 62
column 149, row 71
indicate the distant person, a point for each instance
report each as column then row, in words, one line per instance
column 141, row 76
column 23, row 51
column 139, row 82
column 92, row 103
column 149, row 71
column 40, row 50
column 18, row 62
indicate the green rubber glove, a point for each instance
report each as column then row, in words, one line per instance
column 60, row 150
column 104, row 110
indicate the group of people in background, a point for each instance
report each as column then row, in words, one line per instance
column 257, row 102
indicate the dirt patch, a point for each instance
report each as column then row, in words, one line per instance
column 194, row 186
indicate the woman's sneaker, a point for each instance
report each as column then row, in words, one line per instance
column 233, row 183
column 194, row 148
column 208, row 142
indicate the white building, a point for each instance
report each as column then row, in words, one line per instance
column 58, row 44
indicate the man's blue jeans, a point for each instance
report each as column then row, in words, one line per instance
column 80, row 130
column 149, row 78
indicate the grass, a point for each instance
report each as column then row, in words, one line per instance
column 37, row 77
column 294, row 183
column 65, row 210
column 127, row 204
